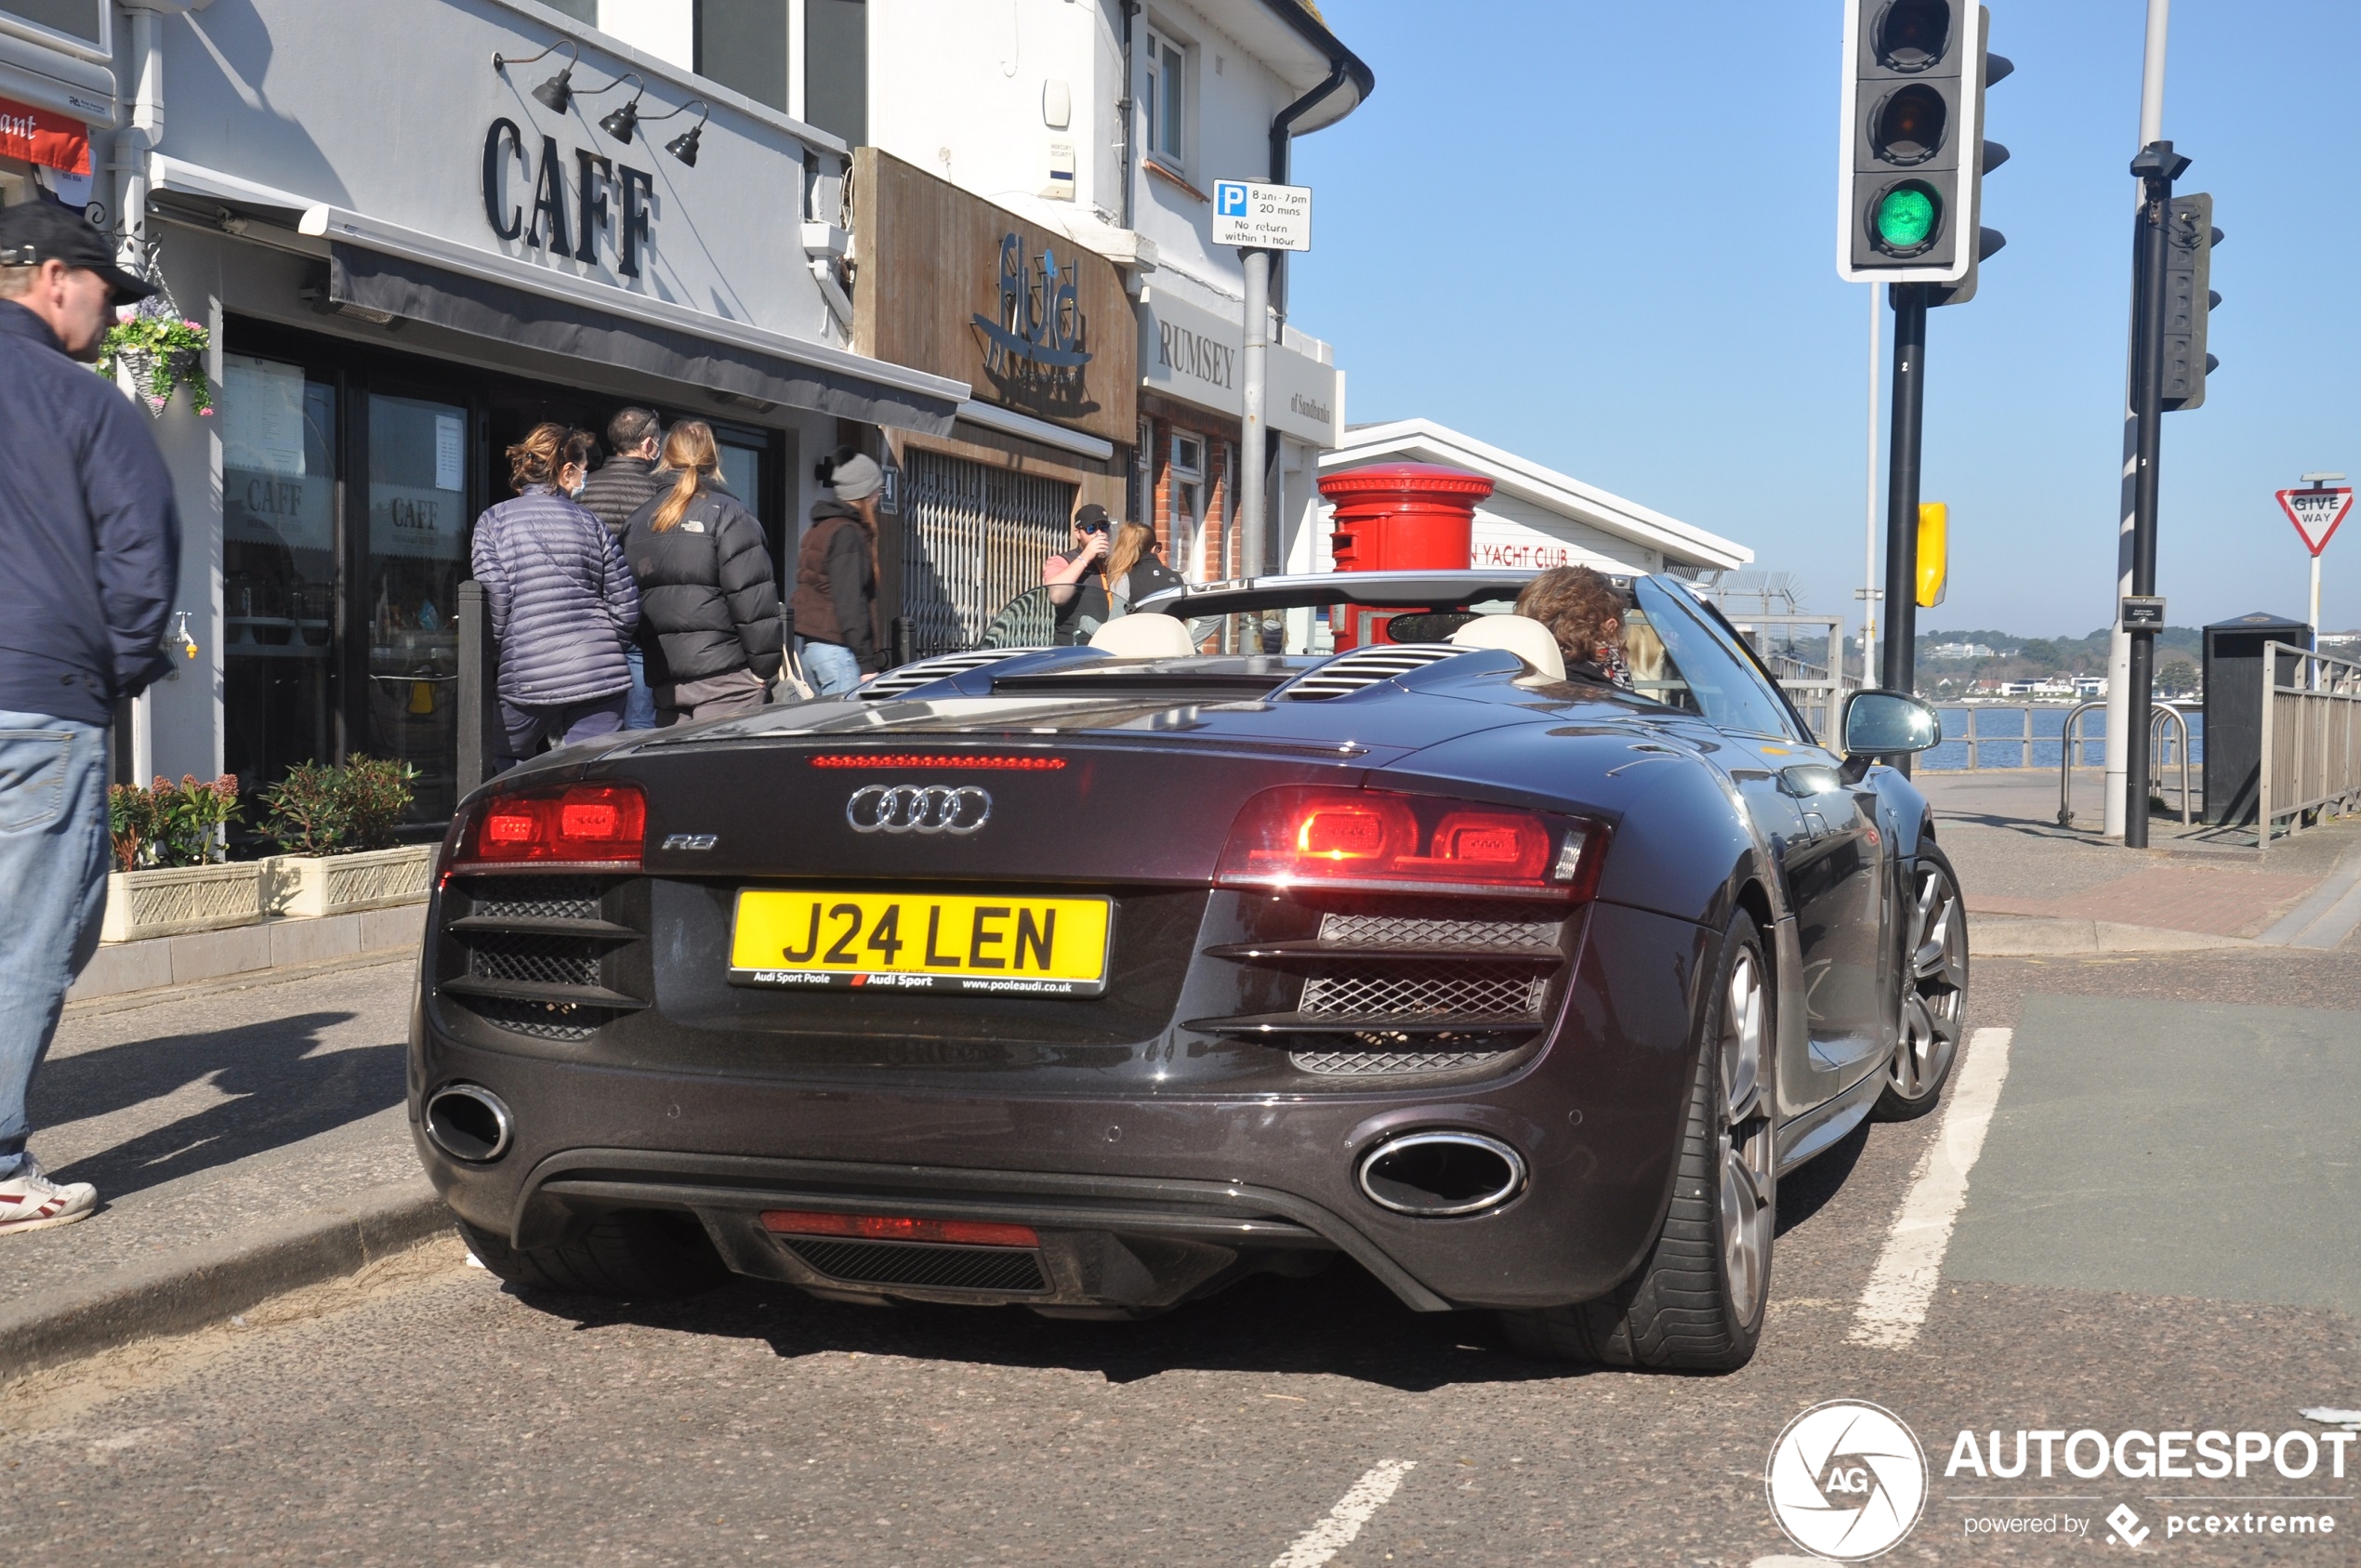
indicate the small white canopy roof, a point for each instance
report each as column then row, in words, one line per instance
column 1423, row 440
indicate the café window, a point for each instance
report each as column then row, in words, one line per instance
column 1164, row 96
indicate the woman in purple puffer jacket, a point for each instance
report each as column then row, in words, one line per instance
column 562, row 603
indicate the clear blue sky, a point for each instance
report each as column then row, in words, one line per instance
column 1555, row 229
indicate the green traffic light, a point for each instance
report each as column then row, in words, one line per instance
column 1906, row 217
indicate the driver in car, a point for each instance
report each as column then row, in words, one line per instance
column 1584, row 613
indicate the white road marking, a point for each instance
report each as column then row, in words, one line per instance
column 1893, row 1306
column 1335, row 1532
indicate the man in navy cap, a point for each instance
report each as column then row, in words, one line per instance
column 92, row 550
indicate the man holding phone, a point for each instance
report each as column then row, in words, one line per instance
column 1077, row 581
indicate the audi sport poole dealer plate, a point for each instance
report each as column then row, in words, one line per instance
column 921, row 941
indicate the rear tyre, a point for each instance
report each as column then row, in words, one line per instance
column 1697, row 1304
column 1935, row 991
column 640, row 1255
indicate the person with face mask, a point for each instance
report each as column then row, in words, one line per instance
column 561, row 601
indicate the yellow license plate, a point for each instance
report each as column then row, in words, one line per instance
column 921, row 941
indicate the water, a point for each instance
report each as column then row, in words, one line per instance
column 1996, row 750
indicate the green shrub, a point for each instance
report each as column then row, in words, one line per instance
column 171, row 824
column 318, row 809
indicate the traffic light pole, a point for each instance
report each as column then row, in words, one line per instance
column 1902, row 491
column 2157, row 166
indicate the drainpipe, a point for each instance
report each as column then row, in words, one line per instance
column 133, row 147
column 1126, row 109
column 1281, row 145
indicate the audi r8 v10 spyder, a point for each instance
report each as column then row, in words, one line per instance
column 1094, row 979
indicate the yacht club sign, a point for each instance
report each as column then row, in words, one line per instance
column 1033, row 343
column 608, row 198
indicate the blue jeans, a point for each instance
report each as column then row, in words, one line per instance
column 563, row 725
column 640, row 707
column 830, row 667
column 54, row 854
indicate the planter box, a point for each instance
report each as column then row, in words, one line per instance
column 169, row 900
column 311, row 886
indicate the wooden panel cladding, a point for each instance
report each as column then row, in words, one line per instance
column 948, row 282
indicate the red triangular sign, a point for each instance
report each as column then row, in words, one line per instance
column 2315, row 512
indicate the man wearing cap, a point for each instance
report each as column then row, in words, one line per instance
column 836, row 582
column 92, row 550
column 1077, row 580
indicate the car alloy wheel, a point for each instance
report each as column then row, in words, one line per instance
column 1744, row 1139
column 1935, row 989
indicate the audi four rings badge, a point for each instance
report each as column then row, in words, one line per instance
column 918, row 808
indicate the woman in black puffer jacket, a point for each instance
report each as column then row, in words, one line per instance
column 708, row 601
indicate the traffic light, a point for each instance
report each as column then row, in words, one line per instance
column 2189, row 238
column 1913, row 157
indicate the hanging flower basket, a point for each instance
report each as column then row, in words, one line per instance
column 163, row 354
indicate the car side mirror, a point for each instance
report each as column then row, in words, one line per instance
column 1885, row 724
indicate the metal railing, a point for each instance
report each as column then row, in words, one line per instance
column 2311, row 739
column 2160, row 718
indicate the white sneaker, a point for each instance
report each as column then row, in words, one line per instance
column 30, row 1201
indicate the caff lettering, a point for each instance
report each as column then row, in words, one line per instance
column 537, row 201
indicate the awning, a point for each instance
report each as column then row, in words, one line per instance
column 420, row 292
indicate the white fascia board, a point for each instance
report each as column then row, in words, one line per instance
column 995, row 417
column 1424, row 439
column 1288, row 53
column 345, row 227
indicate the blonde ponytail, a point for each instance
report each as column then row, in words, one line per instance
column 690, row 452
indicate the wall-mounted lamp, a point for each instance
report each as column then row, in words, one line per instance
column 684, row 146
column 558, row 91
column 620, row 122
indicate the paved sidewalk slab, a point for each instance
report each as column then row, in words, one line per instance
column 243, row 1142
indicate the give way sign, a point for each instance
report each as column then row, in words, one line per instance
column 2315, row 512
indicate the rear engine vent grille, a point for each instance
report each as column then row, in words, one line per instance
column 534, row 898
column 1444, row 926
column 537, row 960
column 909, row 677
column 1511, row 994
column 1365, row 668
column 543, row 1020
column 932, row 1265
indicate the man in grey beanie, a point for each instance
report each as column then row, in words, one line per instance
column 836, row 582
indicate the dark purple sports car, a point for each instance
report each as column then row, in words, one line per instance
column 1094, row 979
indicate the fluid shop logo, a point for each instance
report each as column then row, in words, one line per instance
column 1847, row 1480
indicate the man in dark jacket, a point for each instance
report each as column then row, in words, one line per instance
column 92, row 542
column 623, row 484
column 836, row 583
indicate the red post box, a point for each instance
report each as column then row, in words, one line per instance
column 1398, row 517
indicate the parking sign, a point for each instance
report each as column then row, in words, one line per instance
column 1261, row 217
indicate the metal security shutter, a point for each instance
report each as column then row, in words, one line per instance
column 973, row 538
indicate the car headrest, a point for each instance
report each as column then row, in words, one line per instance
column 1520, row 634
column 1145, row 637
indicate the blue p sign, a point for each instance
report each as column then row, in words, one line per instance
column 1230, row 198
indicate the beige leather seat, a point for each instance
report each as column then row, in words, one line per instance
column 1146, row 637
column 1520, row 634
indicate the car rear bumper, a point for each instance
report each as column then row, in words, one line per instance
column 1140, row 1201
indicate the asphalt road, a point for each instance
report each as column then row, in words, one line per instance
column 2158, row 1234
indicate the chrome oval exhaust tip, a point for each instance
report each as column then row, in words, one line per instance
column 1433, row 1175
column 468, row 1122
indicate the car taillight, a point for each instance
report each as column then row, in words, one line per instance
column 588, row 825
column 887, row 1228
column 1306, row 836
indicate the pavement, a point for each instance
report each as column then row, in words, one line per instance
column 2035, row 887
column 2157, row 1231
